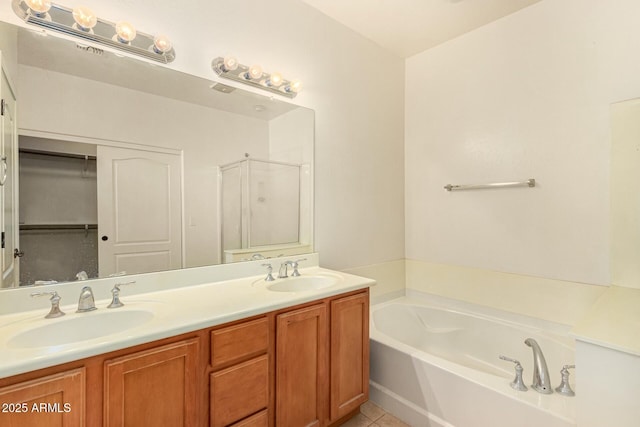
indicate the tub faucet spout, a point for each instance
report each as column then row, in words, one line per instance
column 541, row 382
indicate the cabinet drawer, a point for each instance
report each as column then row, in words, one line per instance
column 239, row 391
column 260, row 419
column 239, row 342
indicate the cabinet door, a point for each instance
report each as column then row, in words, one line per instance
column 53, row 401
column 349, row 354
column 157, row 387
column 301, row 367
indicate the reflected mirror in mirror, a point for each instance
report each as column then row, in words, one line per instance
column 127, row 167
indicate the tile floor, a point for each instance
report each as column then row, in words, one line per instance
column 373, row 416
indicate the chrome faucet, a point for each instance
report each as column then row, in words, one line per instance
column 541, row 382
column 86, row 301
column 282, row 273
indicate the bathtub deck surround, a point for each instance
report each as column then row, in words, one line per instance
column 558, row 301
column 608, row 357
column 435, row 361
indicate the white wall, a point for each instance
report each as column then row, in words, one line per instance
column 625, row 193
column 524, row 97
column 9, row 58
column 355, row 88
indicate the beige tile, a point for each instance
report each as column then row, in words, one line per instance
column 371, row 411
column 389, row 420
column 358, row 421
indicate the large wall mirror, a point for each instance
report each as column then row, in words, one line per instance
column 126, row 167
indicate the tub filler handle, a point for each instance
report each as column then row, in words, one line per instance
column 564, row 388
column 517, row 383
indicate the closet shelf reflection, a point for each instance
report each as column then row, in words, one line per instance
column 26, row 227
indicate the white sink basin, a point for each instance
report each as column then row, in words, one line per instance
column 80, row 327
column 302, row 283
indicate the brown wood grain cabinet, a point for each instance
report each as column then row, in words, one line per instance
column 349, row 354
column 239, row 391
column 52, row 401
column 306, row 365
column 260, row 419
column 301, row 367
column 239, row 342
column 155, row 387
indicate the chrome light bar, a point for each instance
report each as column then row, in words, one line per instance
column 59, row 18
column 244, row 74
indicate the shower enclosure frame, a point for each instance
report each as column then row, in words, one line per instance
column 245, row 199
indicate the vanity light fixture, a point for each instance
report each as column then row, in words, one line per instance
column 85, row 19
column 39, row 7
column 254, row 73
column 83, row 23
column 125, row 32
column 229, row 68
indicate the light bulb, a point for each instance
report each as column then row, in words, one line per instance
column 125, row 32
column 230, row 63
column 295, row 86
column 254, row 73
column 39, row 7
column 275, row 79
column 161, row 44
column 85, row 18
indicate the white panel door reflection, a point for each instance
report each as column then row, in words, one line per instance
column 139, row 211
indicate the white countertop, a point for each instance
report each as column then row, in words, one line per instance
column 613, row 321
column 176, row 311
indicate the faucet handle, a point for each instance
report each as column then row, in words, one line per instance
column 55, row 303
column 294, row 264
column 517, row 383
column 564, row 388
column 269, row 277
column 115, row 301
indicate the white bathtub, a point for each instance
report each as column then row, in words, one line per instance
column 434, row 362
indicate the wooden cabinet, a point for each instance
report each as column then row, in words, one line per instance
column 156, row 387
column 239, row 385
column 236, row 343
column 322, row 361
column 53, row 401
column 260, row 419
column 239, row 391
column 302, row 367
column 349, row 354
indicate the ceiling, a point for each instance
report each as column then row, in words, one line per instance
column 407, row 27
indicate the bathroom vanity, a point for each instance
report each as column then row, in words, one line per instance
column 297, row 358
